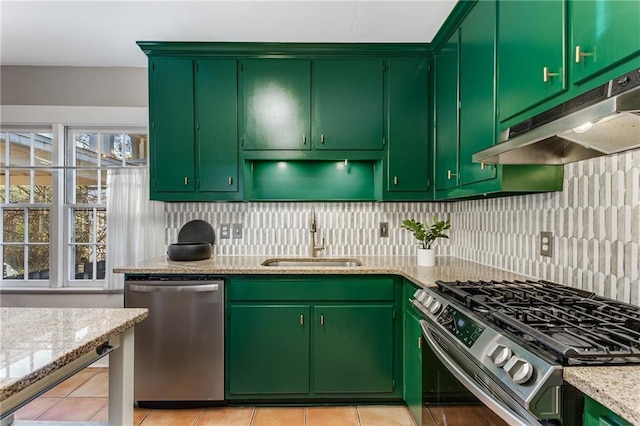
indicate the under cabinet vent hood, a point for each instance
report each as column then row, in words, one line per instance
column 602, row 121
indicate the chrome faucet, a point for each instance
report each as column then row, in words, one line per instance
column 313, row 249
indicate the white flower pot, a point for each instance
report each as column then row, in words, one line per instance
column 426, row 257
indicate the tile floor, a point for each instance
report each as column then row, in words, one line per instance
column 83, row 398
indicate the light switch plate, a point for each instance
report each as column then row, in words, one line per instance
column 237, row 230
column 546, row 244
column 225, row 231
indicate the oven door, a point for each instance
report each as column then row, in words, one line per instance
column 475, row 380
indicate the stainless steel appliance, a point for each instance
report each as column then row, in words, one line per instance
column 179, row 349
column 602, row 121
column 507, row 342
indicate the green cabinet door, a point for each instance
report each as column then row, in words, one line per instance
column 216, row 124
column 413, row 365
column 276, row 104
column 353, row 348
column 477, row 90
column 407, row 109
column 268, row 349
column 603, row 33
column 446, row 114
column 172, row 145
column 348, row 104
column 531, row 56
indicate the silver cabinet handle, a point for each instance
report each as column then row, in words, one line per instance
column 322, row 138
column 304, row 139
column 450, row 174
column 301, row 319
column 186, row 181
column 580, row 55
column 321, row 319
column 546, row 74
column 230, row 181
column 174, row 288
column 395, row 180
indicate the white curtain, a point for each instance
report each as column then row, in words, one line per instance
column 135, row 225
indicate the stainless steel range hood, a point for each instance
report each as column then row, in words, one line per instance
column 602, row 121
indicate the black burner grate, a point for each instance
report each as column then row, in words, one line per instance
column 571, row 325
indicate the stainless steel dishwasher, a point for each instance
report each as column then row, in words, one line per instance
column 179, row 349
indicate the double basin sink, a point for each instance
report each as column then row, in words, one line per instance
column 314, row 262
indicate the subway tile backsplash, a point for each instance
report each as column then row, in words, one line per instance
column 595, row 223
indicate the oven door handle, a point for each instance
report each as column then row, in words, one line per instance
column 494, row 404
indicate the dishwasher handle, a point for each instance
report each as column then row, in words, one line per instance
column 200, row 288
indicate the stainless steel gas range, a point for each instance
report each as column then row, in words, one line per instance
column 507, row 342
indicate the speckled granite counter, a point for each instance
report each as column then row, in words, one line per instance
column 37, row 342
column 446, row 269
column 617, row 388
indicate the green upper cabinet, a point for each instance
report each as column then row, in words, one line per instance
column 477, row 90
column 216, row 125
column 446, row 114
column 408, row 126
column 276, row 104
column 172, row 147
column 348, row 104
column 531, row 54
column 194, row 134
column 603, row 33
column 353, row 348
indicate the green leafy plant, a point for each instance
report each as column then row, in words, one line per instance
column 427, row 233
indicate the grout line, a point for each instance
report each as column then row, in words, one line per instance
column 199, row 416
column 358, row 413
column 253, row 416
column 306, row 413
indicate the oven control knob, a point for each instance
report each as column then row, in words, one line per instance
column 420, row 295
column 519, row 370
column 426, row 302
column 499, row 354
column 435, row 307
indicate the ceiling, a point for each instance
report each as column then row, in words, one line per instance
column 103, row 33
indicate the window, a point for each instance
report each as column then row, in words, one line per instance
column 53, row 195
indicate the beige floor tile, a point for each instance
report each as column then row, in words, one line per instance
column 71, row 384
column 96, row 386
column 384, row 415
column 332, row 416
column 35, row 408
column 187, row 417
column 102, row 415
column 278, row 416
column 74, row 409
column 226, row 416
column 456, row 415
column 139, row 415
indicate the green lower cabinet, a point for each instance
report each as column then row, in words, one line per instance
column 353, row 348
column 413, row 365
column 268, row 349
column 596, row 414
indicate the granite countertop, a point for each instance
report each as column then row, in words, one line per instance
column 35, row 342
column 615, row 387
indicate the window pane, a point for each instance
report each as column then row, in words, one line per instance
column 101, row 256
column 125, row 149
column 101, row 228
column 43, row 188
column 19, row 186
column 83, row 219
column 3, row 149
column 86, row 187
column 39, row 226
column 3, row 187
column 13, row 261
column 38, row 261
column 43, row 147
column 13, row 220
column 20, row 149
column 86, row 149
column 83, row 260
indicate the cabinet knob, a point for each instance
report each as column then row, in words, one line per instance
column 304, row 139
column 580, row 55
column 546, row 74
column 321, row 319
column 419, row 342
column 322, row 138
column 395, row 180
column 301, row 319
column 230, row 181
column 450, row 174
column 186, row 181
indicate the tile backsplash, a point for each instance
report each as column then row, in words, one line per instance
column 595, row 223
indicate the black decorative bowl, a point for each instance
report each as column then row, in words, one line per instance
column 189, row 251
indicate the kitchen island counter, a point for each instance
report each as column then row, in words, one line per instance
column 41, row 346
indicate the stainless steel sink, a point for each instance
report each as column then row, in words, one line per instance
column 319, row 262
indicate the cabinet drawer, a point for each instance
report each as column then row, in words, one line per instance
column 336, row 288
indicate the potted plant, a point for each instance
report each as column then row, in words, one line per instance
column 426, row 234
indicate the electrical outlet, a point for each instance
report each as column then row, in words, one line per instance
column 546, row 244
column 384, row 229
column 225, row 230
column 237, row 230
